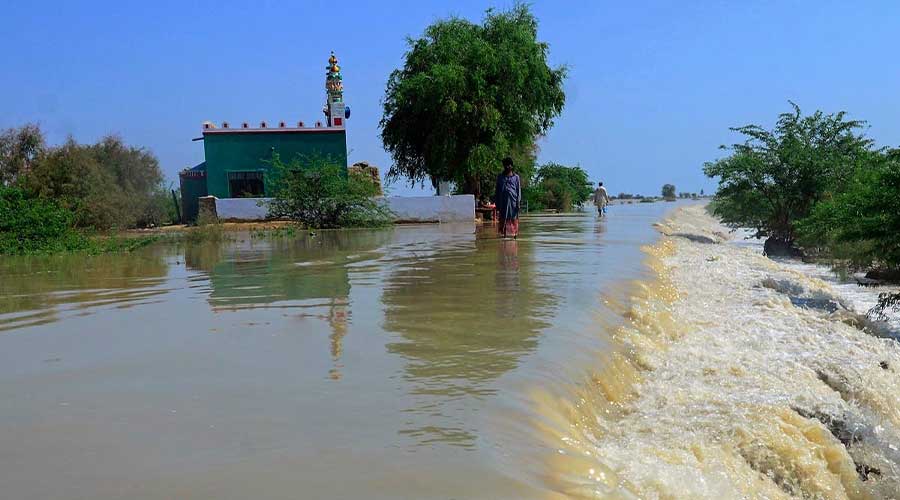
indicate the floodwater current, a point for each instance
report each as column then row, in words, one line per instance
column 395, row 363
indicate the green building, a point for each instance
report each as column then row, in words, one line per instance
column 236, row 158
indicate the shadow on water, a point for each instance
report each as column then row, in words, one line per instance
column 464, row 317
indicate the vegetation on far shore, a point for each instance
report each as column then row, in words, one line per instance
column 31, row 226
column 69, row 198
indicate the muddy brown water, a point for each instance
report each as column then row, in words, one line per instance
column 353, row 364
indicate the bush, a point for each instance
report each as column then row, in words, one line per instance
column 39, row 226
column 772, row 180
column 34, row 225
column 105, row 185
column 318, row 193
column 864, row 218
column 861, row 225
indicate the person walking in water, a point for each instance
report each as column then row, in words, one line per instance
column 601, row 198
column 507, row 198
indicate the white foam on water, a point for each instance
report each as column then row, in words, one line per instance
column 724, row 388
column 858, row 298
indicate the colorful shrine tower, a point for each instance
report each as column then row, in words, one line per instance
column 336, row 112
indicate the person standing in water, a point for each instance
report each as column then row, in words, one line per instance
column 601, row 198
column 507, row 198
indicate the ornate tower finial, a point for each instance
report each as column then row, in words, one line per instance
column 335, row 110
column 334, row 83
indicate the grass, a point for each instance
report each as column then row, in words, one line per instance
column 291, row 231
column 72, row 243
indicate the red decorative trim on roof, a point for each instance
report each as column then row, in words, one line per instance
column 305, row 130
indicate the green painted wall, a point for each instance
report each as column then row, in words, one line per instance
column 247, row 151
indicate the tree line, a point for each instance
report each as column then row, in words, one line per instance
column 815, row 184
column 106, row 185
column 52, row 197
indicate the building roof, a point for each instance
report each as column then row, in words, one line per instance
column 209, row 128
column 196, row 172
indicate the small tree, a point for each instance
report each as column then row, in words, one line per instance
column 20, row 148
column 773, row 179
column 467, row 96
column 318, row 193
column 668, row 191
column 559, row 187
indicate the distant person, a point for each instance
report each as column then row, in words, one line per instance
column 601, row 198
column 507, row 198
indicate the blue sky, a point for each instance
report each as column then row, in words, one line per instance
column 653, row 86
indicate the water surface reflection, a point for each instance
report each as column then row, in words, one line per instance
column 466, row 310
column 37, row 290
column 349, row 364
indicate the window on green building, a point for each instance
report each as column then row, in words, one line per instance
column 246, row 184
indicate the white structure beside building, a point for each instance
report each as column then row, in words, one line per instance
column 444, row 209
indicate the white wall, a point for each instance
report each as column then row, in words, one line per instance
column 242, row 208
column 458, row 208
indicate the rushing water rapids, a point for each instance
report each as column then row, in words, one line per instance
column 727, row 384
column 439, row 362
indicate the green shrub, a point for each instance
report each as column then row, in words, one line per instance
column 866, row 213
column 275, row 232
column 35, row 225
column 40, row 226
column 859, row 227
column 318, row 193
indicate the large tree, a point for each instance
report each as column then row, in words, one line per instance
column 468, row 95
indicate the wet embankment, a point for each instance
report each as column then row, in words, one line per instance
column 731, row 382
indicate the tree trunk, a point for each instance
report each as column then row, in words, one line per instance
column 472, row 186
column 780, row 247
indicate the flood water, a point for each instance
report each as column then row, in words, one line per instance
column 394, row 363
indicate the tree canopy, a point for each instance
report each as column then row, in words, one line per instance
column 772, row 180
column 467, row 96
